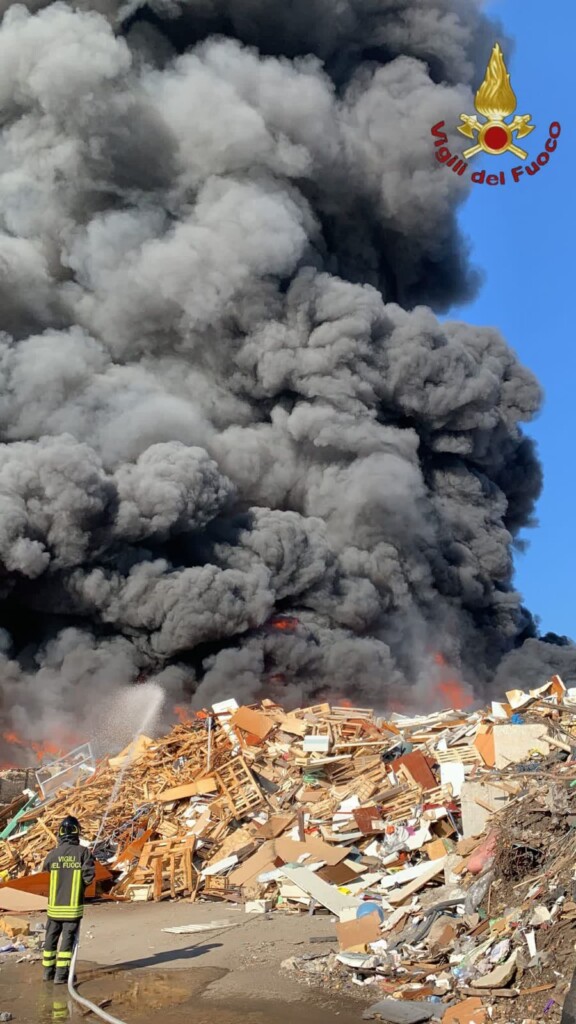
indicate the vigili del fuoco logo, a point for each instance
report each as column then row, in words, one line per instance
column 495, row 101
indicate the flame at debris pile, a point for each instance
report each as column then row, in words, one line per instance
column 225, row 395
column 449, row 690
column 31, row 751
column 182, row 714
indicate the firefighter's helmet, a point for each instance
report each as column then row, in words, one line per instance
column 69, row 828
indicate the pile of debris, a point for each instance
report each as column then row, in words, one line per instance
column 443, row 845
column 13, row 781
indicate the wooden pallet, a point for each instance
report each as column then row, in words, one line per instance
column 220, row 889
column 464, row 755
column 348, row 732
column 401, row 807
column 313, row 709
column 240, row 788
column 321, row 729
column 369, row 783
column 342, row 714
column 349, row 772
column 167, row 829
column 324, row 809
column 440, row 795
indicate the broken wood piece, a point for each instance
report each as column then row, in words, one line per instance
column 199, row 788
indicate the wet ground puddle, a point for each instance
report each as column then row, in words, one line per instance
column 149, row 997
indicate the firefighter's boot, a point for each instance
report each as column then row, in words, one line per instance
column 61, row 976
column 48, row 974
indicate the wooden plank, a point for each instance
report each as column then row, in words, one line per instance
column 327, row 895
column 201, row 787
column 187, row 859
column 398, row 896
column 158, row 879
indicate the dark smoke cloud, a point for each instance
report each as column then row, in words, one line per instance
column 224, row 394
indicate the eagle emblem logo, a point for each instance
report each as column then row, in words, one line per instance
column 495, row 101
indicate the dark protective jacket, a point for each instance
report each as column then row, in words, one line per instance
column 71, row 868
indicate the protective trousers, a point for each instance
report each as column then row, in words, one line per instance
column 54, row 959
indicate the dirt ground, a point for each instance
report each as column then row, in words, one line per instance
column 222, row 976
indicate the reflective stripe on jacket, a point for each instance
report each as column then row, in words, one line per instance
column 71, row 868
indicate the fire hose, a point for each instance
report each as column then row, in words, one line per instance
column 71, row 990
column 80, row 999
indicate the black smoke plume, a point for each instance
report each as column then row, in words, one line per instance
column 225, row 398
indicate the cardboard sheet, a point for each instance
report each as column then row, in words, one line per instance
column 290, row 850
column 21, row 902
column 275, row 826
column 253, row 722
column 262, row 860
column 358, row 933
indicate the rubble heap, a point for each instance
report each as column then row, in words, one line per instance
column 444, row 845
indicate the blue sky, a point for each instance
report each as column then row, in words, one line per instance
column 521, row 239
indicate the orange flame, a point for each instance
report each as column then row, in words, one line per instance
column 41, row 750
column 286, row 624
column 448, row 687
column 13, row 739
column 182, row 714
column 344, row 703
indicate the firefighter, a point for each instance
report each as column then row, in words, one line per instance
column 71, row 868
